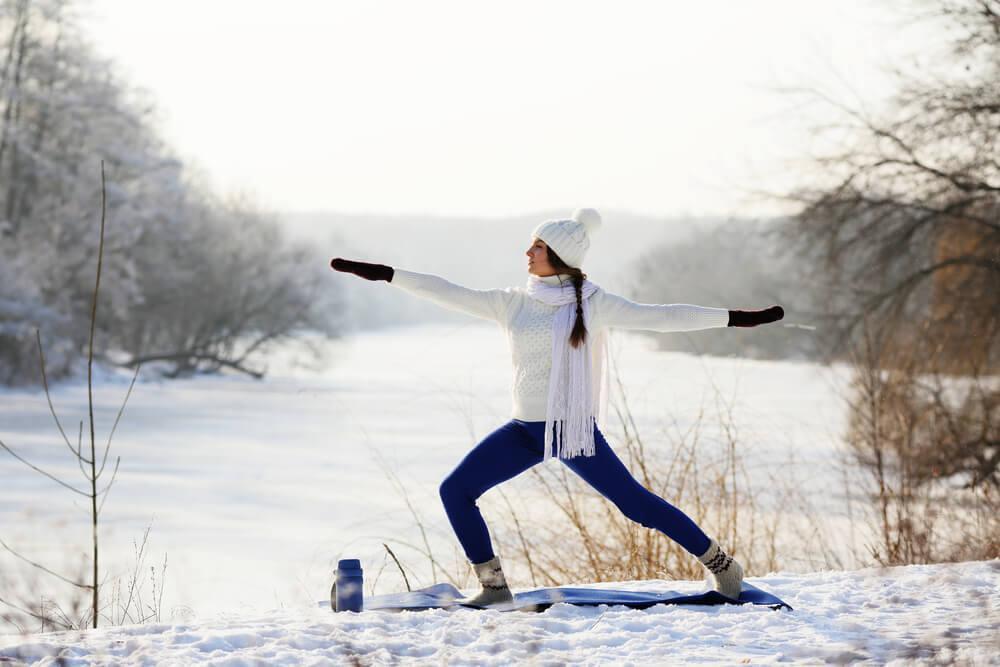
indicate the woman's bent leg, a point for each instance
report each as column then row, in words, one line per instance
column 503, row 454
column 605, row 472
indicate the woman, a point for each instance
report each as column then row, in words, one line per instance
column 557, row 327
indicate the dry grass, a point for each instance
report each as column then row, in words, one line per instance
column 925, row 446
column 551, row 528
column 584, row 537
column 30, row 604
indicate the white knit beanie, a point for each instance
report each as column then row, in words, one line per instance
column 570, row 239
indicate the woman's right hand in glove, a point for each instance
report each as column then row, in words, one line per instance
column 363, row 269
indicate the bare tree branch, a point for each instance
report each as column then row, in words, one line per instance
column 117, row 419
column 48, row 397
column 104, row 493
column 194, row 355
column 40, row 471
column 43, row 568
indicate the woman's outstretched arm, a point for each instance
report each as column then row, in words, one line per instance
column 618, row 312
column 490, row 304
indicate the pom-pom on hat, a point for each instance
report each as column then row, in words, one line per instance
column 570, row 238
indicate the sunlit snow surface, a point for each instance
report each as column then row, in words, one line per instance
column 938, row 614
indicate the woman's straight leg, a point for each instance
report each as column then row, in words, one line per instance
column 501, row 455
column 605, row 472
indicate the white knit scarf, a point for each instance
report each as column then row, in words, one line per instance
column 575, row 401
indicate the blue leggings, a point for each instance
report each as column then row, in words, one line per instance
column 518, row 445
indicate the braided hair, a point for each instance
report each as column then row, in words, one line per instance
column 579, row 333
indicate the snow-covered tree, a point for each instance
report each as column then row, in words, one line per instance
column 170, row 248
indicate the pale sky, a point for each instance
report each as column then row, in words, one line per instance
column 492, row 109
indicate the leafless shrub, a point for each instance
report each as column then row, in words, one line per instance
column 901, row 216
column 927, row 443
column 126, row 604
column 92, row 465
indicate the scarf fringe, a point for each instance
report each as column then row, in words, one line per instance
column 574, row 397
column 564, row 450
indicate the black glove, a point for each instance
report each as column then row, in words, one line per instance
column 751, row 318
column 363, row 269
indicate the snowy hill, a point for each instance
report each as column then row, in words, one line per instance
column 934, row 614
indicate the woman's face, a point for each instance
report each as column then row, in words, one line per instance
column 538, row 259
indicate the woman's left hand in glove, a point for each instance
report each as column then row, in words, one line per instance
column 751, row 318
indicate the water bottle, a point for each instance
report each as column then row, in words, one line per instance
column 347, row 593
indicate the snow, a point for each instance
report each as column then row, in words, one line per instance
column 255, row 489
column 930, row 614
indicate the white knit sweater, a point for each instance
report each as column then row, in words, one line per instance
column 528, row 325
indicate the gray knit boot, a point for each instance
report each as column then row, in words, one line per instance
column 726, row 573
column 494, row 585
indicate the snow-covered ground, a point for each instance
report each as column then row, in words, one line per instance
column 254, row 490
column 939, row 614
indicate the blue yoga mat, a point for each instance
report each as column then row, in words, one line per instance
column 445, row 595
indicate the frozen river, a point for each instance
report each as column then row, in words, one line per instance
column 254, row 489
